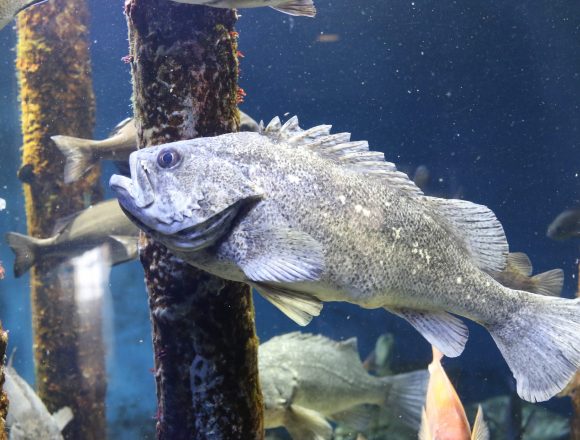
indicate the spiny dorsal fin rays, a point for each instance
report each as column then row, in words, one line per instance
column 338, row 148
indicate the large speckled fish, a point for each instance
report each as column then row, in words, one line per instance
column 291, row 7
column 307, row 217
column 10, row 8
column 101, row 223
column 28, row 418
column 307, row 379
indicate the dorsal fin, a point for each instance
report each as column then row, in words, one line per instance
column 478, row 228
column 339, row 149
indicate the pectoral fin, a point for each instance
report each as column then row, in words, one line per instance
column 359, row 417
column 280, row 255
column 62, row 417
column 299, row 307
column 305, row 424
column 123, row 248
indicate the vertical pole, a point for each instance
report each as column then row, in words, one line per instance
column 3, row 398
column 185, row 71
column 56, row 95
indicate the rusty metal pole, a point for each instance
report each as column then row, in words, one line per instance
column 56, row 95
column 185, row 71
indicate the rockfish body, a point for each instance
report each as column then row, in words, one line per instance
column 307, row 217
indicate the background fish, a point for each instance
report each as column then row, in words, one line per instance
column 307, row 379
column 444, row 417
column 565, row 226
column 291, row 7
column 101, row 223
column 28, row 418
column 306, row 217
column 10, row 8
column 83, row 154
column 517, row 275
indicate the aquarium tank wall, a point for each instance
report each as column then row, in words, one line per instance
column 392, row 215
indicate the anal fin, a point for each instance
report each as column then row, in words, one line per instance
column 441, row 329
column 299, row 307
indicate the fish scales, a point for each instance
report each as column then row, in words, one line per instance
column 308, row 217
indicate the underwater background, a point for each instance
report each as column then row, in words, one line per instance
column 486, row 95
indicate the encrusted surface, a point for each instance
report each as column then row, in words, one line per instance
column 57, row 98
column 184, row 64
column 3, row 398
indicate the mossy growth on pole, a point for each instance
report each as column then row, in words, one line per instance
column 185, row 72
column 57, row 98
column 3, row 398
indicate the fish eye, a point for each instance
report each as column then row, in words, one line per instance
column 168, row 158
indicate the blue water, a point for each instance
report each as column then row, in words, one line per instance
column 485, row 94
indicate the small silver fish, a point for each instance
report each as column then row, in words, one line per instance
column 101, row 223
column 307, row 379
column 518, row 275
column 291, row 7
column 83, row 154
column 565, row 226
column 10, row 8
column 307, row 217
column 28, row 418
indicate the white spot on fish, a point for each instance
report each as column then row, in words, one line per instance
column 358, row 208
column 487, row 284
column 366, row 212
column 414, row 272
column 396, row 233
column 459, row 280
column 293, row 179
column 342, row 199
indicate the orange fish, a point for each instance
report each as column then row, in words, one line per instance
column 443, row 416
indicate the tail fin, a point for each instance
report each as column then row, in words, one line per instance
column 541, row 344
column 549, row 283
column 79, row 156
column 25, row 250
column 406, row 396
column 303, row 8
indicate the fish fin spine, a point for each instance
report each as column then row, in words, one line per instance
column 79, row 156
column 540, row 343
column 424, row 431
column 549, row 283
column 521, row 262
column 405, row 396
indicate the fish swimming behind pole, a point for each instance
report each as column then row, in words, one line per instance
column 10, row 8
column 307, row 379
column 83, row 154
column 303, row 8
column 306, row 217
column 444, row 417
column 28, row 418
column 101, row 223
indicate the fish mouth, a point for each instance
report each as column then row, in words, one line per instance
column 191, row 238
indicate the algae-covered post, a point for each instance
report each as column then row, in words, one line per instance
column 57, row 98
column 3, row 398
column 185, row 70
